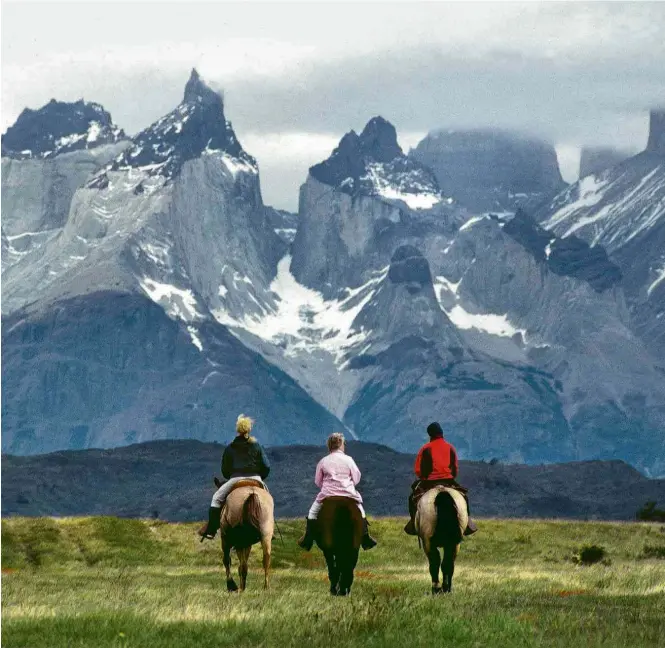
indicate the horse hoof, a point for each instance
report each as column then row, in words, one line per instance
column 333, row 591
column 231, row 585
column 437, row 590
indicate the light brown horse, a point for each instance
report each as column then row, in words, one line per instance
column 247, row 518
column 441, row 518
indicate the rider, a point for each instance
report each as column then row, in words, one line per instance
column 243, row 458
column 436, row 465
column 336, row 475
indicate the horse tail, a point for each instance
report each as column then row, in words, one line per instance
column 447, row 523
column 251, row 511
column 344, row 523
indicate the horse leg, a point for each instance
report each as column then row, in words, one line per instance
column 226, row 558
column 333, row 571
column 266, row 545
column 243, row 559
column 347, row 566
column 434, row 566
column 448, row 566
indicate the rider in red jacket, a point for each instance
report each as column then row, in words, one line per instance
column 436, row 465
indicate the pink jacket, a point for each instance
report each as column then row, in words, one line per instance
column 337, row 474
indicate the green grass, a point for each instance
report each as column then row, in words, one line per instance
column 98, row 582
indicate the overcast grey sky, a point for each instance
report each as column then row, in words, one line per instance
column 296, row 77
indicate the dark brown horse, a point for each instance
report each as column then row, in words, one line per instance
column 339, row 532
column 441, row 518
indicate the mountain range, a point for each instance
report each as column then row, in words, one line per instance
column 172, row 480
column 149, row 293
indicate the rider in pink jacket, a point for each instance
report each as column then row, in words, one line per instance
column 336, row 475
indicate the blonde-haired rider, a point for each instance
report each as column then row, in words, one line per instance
column 243, row 458
column 336, row 475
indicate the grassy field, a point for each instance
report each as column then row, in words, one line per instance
column 107, row 582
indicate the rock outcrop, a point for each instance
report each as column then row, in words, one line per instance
column 656, row 141
column 597, row 159
column 622, row 209
column 486, row 170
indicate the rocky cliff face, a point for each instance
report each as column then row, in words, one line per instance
column 122, row 294
column 108, row 369
column 623, row 210
column 46, row 156
column 487, row 170
column 656, row 141
column 492, row 320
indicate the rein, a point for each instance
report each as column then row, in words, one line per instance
column 280, row 532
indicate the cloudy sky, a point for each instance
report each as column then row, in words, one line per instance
column 296, row 77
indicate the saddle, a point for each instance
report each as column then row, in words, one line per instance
column 248, row 482
column 242, row 484
column 420, row 487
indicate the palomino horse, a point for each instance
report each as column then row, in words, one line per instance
column 247, row 518
column 339, row 532
column 441, row 518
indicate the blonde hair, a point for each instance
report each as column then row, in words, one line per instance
column 335, row 441
column 244, row 427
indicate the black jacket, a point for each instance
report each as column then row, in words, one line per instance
column 243, row 457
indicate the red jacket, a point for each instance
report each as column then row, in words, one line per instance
column 437, row 460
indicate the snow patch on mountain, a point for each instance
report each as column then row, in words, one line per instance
column 471, row 222
column 441, row 283
column 659, row 279
column 588, row 192
column 178, row 303
column 447, row 294
column 235, row 165
column 303, row 320
column 404, row 186
column 489, row 323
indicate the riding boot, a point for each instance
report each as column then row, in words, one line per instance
column 209, row 530
column 471, row 527
column 410, row 528
column 307, row 541
column 367, row 541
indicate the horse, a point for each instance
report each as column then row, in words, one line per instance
column 247, row 518
column 441, row 518
column 339, row 532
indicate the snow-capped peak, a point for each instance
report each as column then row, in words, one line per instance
column 59, row 127
column 373, row 164
column 197, row 126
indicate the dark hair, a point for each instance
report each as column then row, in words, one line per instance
column 434, row 430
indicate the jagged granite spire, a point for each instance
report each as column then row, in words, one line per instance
column 197, row 90
column 59, row 127
column 656, row 143
column 378, row 140
column 195, row 126
column 374, row 164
